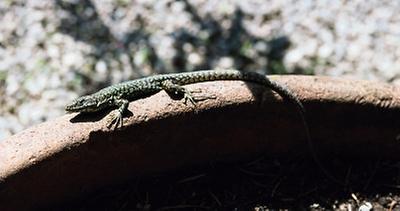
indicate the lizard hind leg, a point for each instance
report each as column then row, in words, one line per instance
column 177, row 90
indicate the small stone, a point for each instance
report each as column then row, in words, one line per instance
column 53, row 51
column 309, row 48
column 36, row 84
column 177, row 6
column 101, row 67
column 366, row 206
column 325, row 51
column 194, row 59
column 72, row 59
column 261, row 47
column 294, row 56
column 353, row 52
column 225, row 63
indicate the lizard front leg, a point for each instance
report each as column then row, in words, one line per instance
column 116, row 118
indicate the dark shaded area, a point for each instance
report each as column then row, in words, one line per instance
column 228, row 43
column 270, row 183
column 96, row 116
column 82, row 22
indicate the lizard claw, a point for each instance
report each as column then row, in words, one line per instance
column 194, row 99
column 116, row 120
column 188, row 97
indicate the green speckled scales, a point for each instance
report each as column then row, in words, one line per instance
column 143, row 87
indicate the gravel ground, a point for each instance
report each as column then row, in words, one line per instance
column 54, row 51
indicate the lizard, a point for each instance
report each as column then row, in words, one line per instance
column 119, row 95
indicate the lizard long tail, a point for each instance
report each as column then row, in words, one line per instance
column 288, row 95
column 283, row 92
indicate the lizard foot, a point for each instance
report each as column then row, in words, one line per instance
column 188, row 97
column 194, row 99
column 115, row 119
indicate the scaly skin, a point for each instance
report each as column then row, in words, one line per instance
column 120, row 94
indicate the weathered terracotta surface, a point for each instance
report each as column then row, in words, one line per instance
column 73, row 155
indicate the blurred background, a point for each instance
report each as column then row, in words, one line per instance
column 56, row 50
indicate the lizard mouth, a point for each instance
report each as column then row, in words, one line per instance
column 75, row 107
column 80, row 108
column 70, row 109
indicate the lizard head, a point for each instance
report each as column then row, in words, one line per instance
column 82, row 104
